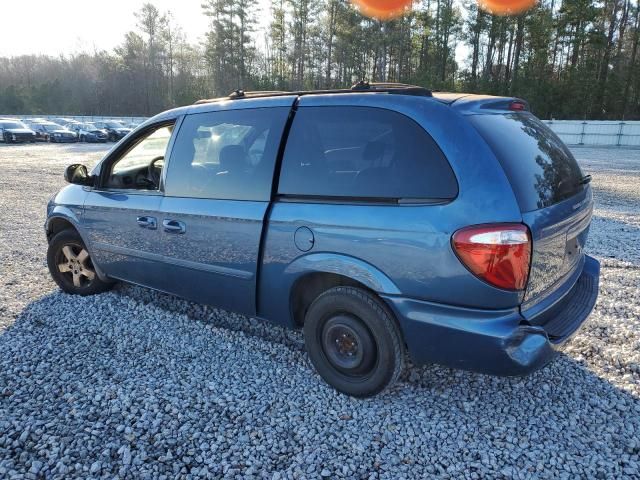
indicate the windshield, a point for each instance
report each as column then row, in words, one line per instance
column 12, row 125
column 52, row 128
column 114, row 125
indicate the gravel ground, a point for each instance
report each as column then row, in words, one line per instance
column 134, row 383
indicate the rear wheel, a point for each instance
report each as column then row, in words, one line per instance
column 353, row 341
column 71, row 267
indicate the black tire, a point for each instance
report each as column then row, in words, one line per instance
column 354, row 342
column 80, row 277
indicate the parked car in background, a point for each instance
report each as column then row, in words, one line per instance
column 88, row 132
column 115, row 130
column 14, row 131
column 47, row 130
column 59, row 134
column 42, row 135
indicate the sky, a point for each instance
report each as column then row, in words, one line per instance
column 71, row 26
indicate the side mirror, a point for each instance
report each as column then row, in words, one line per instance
column 78, row 175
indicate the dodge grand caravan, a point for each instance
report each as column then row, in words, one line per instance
column 378, row 219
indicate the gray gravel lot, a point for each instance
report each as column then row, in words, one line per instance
column 134, row 383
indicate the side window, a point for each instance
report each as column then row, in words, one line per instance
column 363, row 152
column 227, row 154
column 140, row 167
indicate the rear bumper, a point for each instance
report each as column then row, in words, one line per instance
column 500, row 342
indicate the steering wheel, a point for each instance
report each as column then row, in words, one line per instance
column 154, row 172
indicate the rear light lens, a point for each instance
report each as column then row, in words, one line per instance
column 498, row 254
column 517, row 106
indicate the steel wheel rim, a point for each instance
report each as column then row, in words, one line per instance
column 74, row 265
column 348, row 345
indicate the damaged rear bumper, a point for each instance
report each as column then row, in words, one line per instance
column 498, row 342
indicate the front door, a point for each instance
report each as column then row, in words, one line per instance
column 122, row 215
column 217, row 193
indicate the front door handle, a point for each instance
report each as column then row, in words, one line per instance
column 174, row 226
column 148, row 222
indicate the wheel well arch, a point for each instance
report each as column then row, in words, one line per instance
column 57, row 225
column 308, row 287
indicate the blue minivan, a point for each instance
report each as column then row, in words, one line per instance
column 381, row 220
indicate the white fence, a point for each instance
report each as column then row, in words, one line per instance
column 592, row 132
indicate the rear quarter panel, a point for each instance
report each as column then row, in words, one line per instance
column 409, row 244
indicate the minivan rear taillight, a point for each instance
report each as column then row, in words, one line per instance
column 498, row 254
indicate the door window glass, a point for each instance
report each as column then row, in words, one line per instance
column 226, row 154
column 141, row 166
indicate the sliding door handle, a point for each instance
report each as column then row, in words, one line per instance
column 174, row 226
column 148, row 222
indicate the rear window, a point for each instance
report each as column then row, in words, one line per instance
column 363, row 153
column 540, row 167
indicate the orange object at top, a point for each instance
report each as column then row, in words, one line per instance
column 383, row 9
column 506, row 7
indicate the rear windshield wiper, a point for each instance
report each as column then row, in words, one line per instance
column 585, row 180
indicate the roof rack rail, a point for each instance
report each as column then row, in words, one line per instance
column 362, row 86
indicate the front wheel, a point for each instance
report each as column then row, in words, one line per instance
column 71, row 266
column 353, row 341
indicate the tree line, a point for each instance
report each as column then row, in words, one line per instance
column 569, row 58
